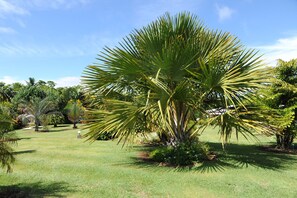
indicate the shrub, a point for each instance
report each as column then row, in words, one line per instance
column 182, row 154
column 105, row 136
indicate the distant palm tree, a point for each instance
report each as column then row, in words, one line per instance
column 37, row 107
column 75, row 111
column 169, row 74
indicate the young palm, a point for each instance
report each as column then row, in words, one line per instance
column 167, row 76
column 38, row 107
column 75, row 111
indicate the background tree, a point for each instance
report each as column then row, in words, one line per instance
column 6, row 92
column 168, row 74
column 282, row 98
column 75, row 111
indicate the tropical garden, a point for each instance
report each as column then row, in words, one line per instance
column 176, row 100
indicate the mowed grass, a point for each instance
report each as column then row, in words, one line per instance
column 57, row 164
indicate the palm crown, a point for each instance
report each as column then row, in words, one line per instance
column 169, row 74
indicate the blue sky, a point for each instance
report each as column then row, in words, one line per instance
column 56, row 39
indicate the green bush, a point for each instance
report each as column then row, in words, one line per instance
column 105, row 136
column 182, row 154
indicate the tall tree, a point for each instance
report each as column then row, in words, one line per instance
column 169, row 74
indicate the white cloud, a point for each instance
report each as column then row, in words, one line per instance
column 283, row 48
column 224, row 12
column 7, row 30
column 9, row 8
column 21, row 49
column 67, row 81
column 8, row 80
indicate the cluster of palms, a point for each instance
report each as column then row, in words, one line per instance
column 175, row 77
column 39, row 103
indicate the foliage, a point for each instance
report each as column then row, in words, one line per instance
column 105, row 136
column 75, row 111
column 30, row 90
column 6, row 139
column 281, row 97
column 56, row 119
column 37, row 108
column 167, row 75
column 6, row 92
column 182, row 154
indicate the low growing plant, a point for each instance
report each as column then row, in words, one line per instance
column 182, row 154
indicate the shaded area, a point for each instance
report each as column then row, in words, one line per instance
column 36, row 190
column 24, row 152
column 25, row 138
column 235, row 156
column 59, row 129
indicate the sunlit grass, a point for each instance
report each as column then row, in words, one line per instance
column 58, row 164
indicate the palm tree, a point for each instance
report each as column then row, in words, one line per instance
column 169, row 74
column 75, row 111
column 38, row 107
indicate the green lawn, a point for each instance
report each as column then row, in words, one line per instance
column 57, row 164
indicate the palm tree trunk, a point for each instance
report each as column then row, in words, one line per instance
column 285, row 140
column 74, row 125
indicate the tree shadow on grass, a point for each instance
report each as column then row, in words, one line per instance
column 36, row 190
column 59, row 129
column 25, row 138
column 24, row 152
column 235, row 156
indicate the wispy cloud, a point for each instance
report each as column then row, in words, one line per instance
column 52, row 4
column 20, row 49
column 88, row 45
column 283, row 48
column 224, row 12
column 7, row 30
column 6, row 7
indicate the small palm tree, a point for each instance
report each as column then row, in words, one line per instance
column 166, row 77
column 75, row 111
column 37, row 108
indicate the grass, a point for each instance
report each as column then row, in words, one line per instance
column 57, row 164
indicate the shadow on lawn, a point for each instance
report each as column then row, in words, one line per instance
column 235, row 156
column 37, row 190
column 24, row 152
column 59, row 129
